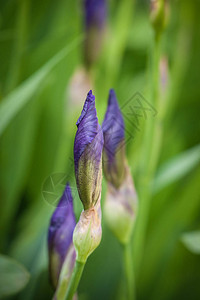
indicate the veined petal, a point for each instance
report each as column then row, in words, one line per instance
column 87, row 127
column 113, row 126
column 60, row 234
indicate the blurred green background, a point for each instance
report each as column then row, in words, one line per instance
column 41, row 53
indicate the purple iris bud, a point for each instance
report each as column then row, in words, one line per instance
column 114, row 150
column 121, row 199
column 60, row 235
column 88, row 146
column 95, row 12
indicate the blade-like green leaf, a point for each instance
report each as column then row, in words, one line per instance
column 12, row 104
column 13, row 276
column 176, row 168
column 191, row 240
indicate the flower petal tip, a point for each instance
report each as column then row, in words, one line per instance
column 87, row 127
column 90, row 98
column 113, row 130
column 112, row 97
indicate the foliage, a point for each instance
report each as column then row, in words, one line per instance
column 41, row 48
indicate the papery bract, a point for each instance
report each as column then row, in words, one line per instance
column 120, row 208
column 87, row 233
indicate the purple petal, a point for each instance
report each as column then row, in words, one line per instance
column 60, row 233
column 95, row 13
column 113, row 127
column 87, row 127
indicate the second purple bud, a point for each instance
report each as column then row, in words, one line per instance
column 121, row 199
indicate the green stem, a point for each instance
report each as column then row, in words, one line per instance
column 128, row 267
column 150, row 154
column 119, row 37
column 74, row 281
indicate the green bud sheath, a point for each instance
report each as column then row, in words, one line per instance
column 89, row 177
column 66, row 273
column 88, row 232
column 115, row 171
column 120, row 209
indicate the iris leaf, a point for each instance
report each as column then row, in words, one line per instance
column 191, row 240
column 176, row 168
column 16, row 100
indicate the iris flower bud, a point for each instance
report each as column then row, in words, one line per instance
column 88, row 147
column 95, row 22
column 114, row 150
column 121, row 199
column 159, row 15
column 60, row 244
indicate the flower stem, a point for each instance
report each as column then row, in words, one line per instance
column 129, row 273
column 150, row 155
column 74, row 281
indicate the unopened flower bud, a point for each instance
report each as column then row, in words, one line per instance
column 60, row 234
column 88, row 147
column 114, row 150
column 159, row 15
column 95, row 12
column 121, row 199
column 87, row 233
